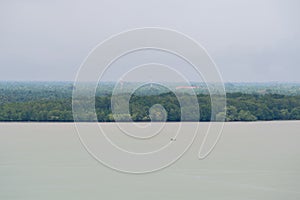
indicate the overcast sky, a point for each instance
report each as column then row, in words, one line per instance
column 253, row 40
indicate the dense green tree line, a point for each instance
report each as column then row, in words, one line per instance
column 38, row 110
column 240, row 107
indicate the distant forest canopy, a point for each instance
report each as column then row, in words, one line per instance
column 52, row 101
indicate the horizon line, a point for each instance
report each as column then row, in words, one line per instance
column 110, row 81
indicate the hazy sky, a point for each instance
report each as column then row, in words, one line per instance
column 253, row 40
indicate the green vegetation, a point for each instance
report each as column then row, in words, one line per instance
column 53, row 102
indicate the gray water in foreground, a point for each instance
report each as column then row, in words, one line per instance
column 259, row 160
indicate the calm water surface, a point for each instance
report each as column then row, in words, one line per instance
column 258, row 160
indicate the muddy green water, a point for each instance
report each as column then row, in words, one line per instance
column 258, row 160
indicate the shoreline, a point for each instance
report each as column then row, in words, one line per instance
column 171, row 122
